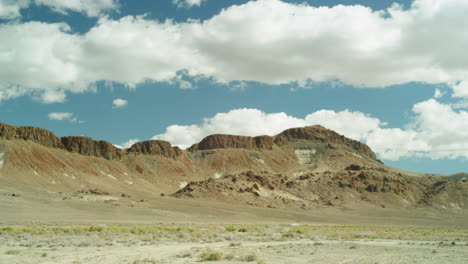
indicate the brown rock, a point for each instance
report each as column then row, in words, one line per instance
column 35, row 134
column 88, row 147
column 156, row 147
column 218, row 141
column 320, row 134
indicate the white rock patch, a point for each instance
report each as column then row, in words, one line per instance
column 217, row 175
column 112, row 177
column 69, row 176
column 305, row 156
column 1, row 159
column 183, row 184
column 298, row 174
column 35, row 173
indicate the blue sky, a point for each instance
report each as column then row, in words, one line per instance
column 389, row 74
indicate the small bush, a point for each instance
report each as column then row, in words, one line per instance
column 95, row 229
column 212, row 256
column 12, row 252
column 145, row 261
column 250, row 257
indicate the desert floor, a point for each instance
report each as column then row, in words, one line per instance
column 177, row 243
column 38, row 227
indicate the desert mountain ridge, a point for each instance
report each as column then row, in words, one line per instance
column 89, row 147
column 300, row 168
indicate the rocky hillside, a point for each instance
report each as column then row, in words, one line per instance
column 300, row 167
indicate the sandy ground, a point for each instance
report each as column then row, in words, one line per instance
column 232, row 244
column 50, row 227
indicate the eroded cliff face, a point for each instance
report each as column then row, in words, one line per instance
column 219, row 141
column 89, row 147
column 35, row 134
column 84, row 145
column 156, row 147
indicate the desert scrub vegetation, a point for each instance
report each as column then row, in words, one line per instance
column 234, row 233
column 12, row 252
column 145, row 261
column 212, row 255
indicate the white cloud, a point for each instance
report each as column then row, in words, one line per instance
column 119, row 103
column 64, row 116
column 267, row 41
column 91, row 8
column 355, row 125
column 437, row 131
column 461, row 89
column 438, row 93
column 187, row 3
column 10, row 9
column 128, row 144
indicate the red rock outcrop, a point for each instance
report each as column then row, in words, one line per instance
column 320, row 134
column 156, row 147
column 218, row 141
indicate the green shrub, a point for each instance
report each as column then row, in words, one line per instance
column 12, row 252
column 211, row 256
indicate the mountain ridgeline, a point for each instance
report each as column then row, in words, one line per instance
column 299, row 168
column 89, row 147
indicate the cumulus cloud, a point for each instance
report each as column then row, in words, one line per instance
column 438, row 93
column 91, row 8
column 267, row 41
column 128, row 143
column 119, row 103
column 437, row 131
column 10, row 9
column 64, row 116
column 187, row 3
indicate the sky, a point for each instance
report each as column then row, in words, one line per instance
column 391, row 74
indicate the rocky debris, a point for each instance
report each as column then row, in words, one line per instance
column 219, row 141
column 156, row 147
column 354, row 167
column 94, row 191
column 89, row 147
column 265, row 189
column 320, row 134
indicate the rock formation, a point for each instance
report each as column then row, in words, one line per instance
column 229, row 141
column 320, row 134
column 89, row 147
column 156, row 147
column 35, row 134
